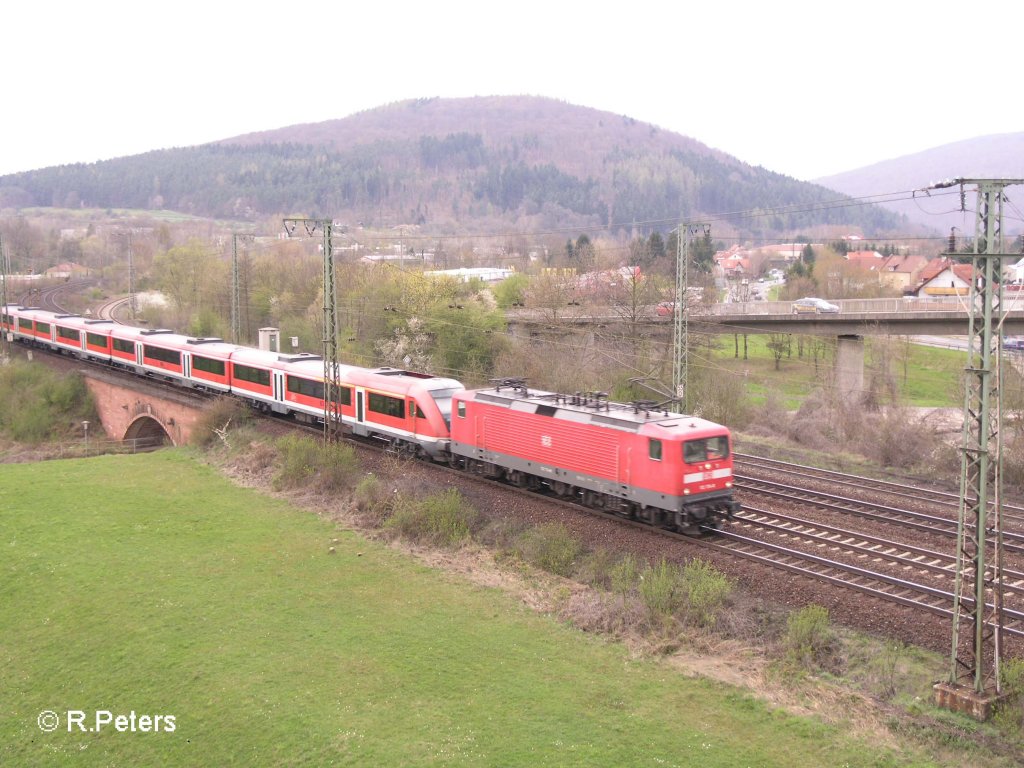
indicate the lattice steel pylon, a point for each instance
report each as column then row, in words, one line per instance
column 977, row 600
column 332, row 403
column 681, row 311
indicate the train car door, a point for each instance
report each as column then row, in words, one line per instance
column 412, row 415
column 358, row 427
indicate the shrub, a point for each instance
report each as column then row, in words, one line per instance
column 441, row 519
column 597, row 566
column 309, row 462
column 550, row 547
column 809, row 636
column 222, row 415
column 707, row 589
column 661, row 588
column 1010, row 710
column 40, row 403
column 625, row 575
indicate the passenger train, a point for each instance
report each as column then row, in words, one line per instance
column 632, row 459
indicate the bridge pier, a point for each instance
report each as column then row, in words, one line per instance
column 850, row 367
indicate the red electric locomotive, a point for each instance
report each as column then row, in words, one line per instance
column 663, row 468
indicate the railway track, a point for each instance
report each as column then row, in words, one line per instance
column 874, row 583
column 1013, row 541
column 885, row 570
column 50, row 298
column 1012, row 513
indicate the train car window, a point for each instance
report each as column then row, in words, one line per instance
column 419, row 411
column 462, row 409
column 8, row 320
column 122, row 345
column 654, row 449
column 695, row 451
column 171, row 356
column 306, row 387
column 95, row 339
column 253, row 375
column 208, row 365
column 69, row 334
column 386, row 405
column 25, row 325
column 43, row 328
column 344, row 396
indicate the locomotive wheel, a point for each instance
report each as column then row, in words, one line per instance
column 562, row 489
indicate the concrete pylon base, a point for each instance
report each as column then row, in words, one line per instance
column 960, row 698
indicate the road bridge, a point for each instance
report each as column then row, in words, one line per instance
column 856, row 319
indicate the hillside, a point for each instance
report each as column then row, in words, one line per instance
column 994, row 156
column 456, row 165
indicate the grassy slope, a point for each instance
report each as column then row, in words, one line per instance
column 148, row 583
column 928, row 378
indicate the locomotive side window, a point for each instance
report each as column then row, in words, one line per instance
column 43, row 328
column 386, row 405
column 695, row 451
column 122, row 345
column 462, row 409
column 654, row 449
column 68, row 334
column 96, row 340
column 25, row 325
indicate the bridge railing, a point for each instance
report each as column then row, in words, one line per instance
column 101, row 447
column 907, row 304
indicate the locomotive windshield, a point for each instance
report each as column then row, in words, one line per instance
column 443, row 398
column 709, row 448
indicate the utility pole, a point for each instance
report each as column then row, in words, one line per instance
column 5, row 270
column 236, row 304
column 681, row 313
column 132, row 304
column 332, row 405
column 973, row 684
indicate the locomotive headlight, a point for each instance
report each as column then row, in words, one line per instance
column 708, row 465
column 686, row 491
column 728, row 483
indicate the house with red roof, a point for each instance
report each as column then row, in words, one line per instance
column 941, row 278
column 902, row 271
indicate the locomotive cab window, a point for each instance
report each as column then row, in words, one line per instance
column 708, row 449
column 654, row 449
column 462, row 409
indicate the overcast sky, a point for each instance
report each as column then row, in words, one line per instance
column 803, row 88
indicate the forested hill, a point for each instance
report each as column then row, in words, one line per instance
column 453, row 165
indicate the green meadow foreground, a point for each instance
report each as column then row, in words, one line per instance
column 149, row 584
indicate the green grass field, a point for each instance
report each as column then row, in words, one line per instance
column 150, row 584
column 925, row 376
